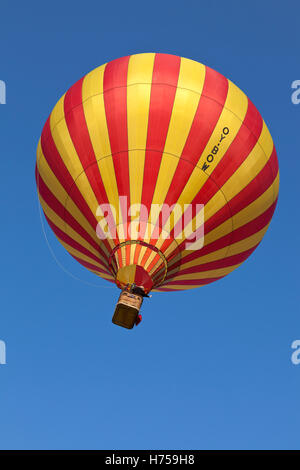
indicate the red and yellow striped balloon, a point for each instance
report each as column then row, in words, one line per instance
column 157, row 129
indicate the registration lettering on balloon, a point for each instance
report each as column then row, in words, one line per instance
column 214, row 151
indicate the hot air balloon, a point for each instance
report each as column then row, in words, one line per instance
column 143, row 134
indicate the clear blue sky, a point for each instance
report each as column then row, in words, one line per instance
column 208, row 368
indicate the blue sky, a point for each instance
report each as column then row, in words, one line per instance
column 207, row 369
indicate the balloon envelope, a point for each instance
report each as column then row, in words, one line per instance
column 157, row 170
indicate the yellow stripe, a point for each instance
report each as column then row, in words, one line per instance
column 123, row 254
column 58, row 113
column 175, row 288
column 183, row 112
column 139, row 80
column 223, row 253
column 93, row 83
column 94, row 111
column 140, row 70
column 127, row 274
column 192, row 75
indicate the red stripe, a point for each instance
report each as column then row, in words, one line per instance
column 254, row 120
column 246, row 196
column 164, row 85
column 163, row 90
column 240, row 148
column 142, row 278
column 61, row 172
column 209, row 109
column 54, row 159
column 79, row 133
column 59, row 209
column 136, row 254
column 115, row 102
column 237, row 235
